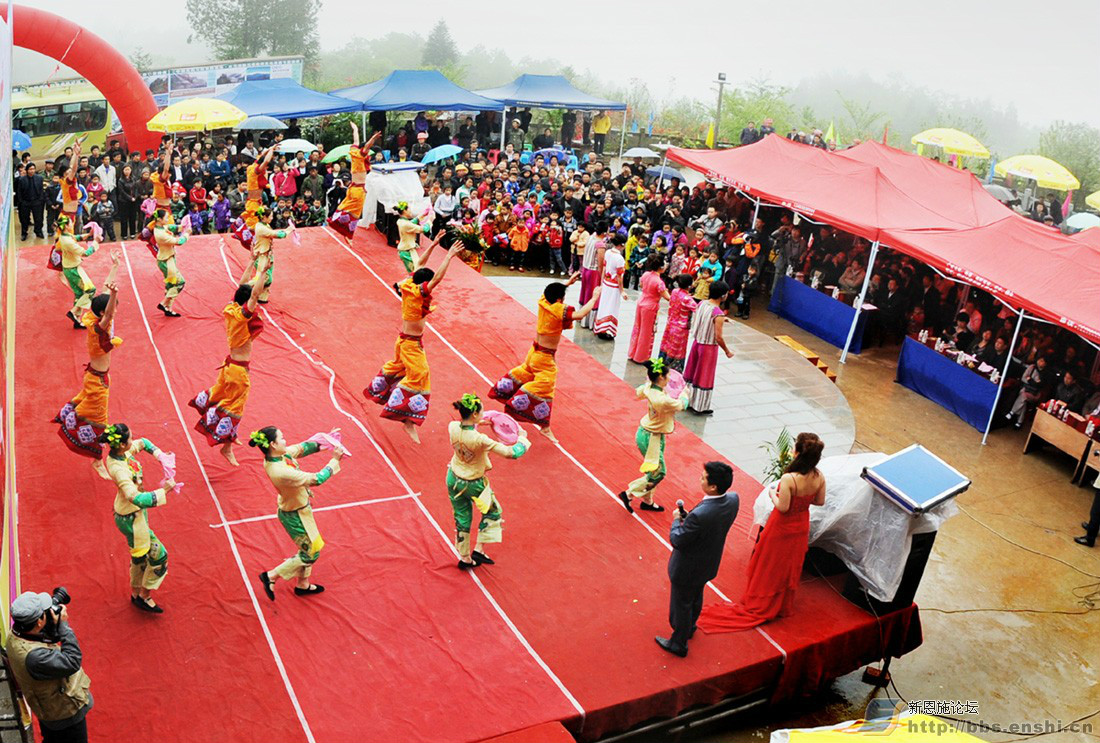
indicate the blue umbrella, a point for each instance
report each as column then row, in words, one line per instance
column 664, row 172
column 550, row 152
column 442, row 152
column 261, row 122
column 19, row 140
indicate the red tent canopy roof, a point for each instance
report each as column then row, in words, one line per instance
column 933, row 212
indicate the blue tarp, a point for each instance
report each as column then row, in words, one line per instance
column 285, row 99
column 964, row 392
column 825, row 317
column 416, row 90
column 548, row 91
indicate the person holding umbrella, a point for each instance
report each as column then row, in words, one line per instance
column 347, row 215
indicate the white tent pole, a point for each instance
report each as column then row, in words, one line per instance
column 755, row 214
column 1004, row 373
column 664, row 162
column 859, row 302
column 503, row 121
column 363, row 123
column 622, row 136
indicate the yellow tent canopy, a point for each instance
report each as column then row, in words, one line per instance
column 196, row 115
column 1042, row 170
column 952, row 141
column 1093, row 200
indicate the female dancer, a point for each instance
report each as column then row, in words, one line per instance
column 528, row 389
column 776, row 562
column 611, row 279
column 84, row 417
column 148, row 557
column 591, row 269
column 645, row 315
column 167, row 242
column 706, row 330
column 263, row 251
column 467, row 484
column 295, row 505
column 162, row 185
column 681, row 305
column 256, row 177
column 71, row 255
column 409, row 229
column 403, row 385
column 346, row 217
column 221, row 407
column 658, row 422
column 70, row 189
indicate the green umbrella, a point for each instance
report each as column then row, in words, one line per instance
column 339, row 153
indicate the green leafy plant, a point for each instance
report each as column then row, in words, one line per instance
column 780, row 453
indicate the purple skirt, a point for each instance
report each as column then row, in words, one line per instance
column 701, row 365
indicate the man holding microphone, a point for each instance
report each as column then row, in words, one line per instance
column 698, row 538
column 45, row 659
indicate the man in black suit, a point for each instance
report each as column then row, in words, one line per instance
column 30, row 193
column 697, row 544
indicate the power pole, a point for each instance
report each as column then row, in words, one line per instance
column 718, row 110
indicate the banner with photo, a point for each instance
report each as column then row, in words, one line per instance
column 177, row 83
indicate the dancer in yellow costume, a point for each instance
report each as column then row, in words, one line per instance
column 83, row 418
column 528, row 390
column 69, row 255
column 295, row 505
column 346, row 217
column 221, row 407
column 403, row 385
column 148, row 557
column 263, row 252
column 256, row 178
column 467, row 485
column 167, row 241
column 657, row 424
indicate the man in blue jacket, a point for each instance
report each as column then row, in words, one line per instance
column 697, row 543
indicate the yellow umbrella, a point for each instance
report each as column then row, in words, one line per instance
column 953, row 142
column 909, row 729
column 1093, row 200
column 196, row 115
column 1043, row 170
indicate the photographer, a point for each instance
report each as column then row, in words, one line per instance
column 45, row 659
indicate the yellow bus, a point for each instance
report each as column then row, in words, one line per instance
column 55, row 116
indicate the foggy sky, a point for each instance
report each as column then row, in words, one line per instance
column 1042, row 58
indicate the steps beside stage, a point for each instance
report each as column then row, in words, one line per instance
column 807, row 354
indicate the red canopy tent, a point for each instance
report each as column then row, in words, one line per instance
column 932, row 212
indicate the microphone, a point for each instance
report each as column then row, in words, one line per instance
column 680, row 507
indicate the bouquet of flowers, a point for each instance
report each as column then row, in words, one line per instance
column 469, row 236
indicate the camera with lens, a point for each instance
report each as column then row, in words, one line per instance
column 60, row 597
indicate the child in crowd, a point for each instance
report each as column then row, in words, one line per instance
column 223, row 214
column 677, row 262
column 519, row 237
column 691, row 265
column 179, row 206
column 540, row 243
column 317, row 213
column 300, row 211
column 577, row 240
column 555, row 238
column 197, row 214
column 748, row 290
column 713, row 264
column 103, row 214
column 701, row 288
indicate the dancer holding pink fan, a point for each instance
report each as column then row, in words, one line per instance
column 666, row 397
column 467, row 484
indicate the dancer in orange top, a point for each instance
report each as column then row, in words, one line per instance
column 256, row 175
column 403, row 386
column 84, row 418
column 222, row 406
column 162, row 194
column 528, row 390
column 70, row 189
column 346, row 217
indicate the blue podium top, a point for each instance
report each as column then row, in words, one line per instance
column 916, row 479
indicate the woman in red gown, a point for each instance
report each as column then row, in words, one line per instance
column 776, row 562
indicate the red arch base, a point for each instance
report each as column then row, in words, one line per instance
column 94, row 59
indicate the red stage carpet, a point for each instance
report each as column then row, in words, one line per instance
column 402, row 646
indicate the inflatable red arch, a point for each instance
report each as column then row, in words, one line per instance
column 94, row 59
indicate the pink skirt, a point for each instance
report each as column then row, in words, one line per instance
column 590, row 279
column 641, row 338
column 702, row 364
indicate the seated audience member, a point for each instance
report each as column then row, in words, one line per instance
column 1070, row 392
column 1034, row 383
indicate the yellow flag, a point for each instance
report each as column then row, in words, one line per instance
column 710, row 136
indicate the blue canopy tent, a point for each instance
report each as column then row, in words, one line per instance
column 551, row 91
column 415, row 90
column 283, row 98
